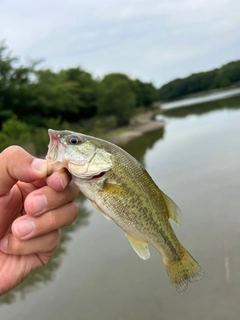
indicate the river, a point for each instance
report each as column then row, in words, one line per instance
column 96, row 275
column 211, row 96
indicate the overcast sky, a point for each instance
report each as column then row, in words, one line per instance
column 153, row 40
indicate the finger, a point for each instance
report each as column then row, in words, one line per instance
column 17, row 164
column 10, row 207
column 45, row 199
column 59, row 180
column 45, row 243
column 27, row 227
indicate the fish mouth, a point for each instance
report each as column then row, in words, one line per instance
column 55, row 148
column 82, row 168
column 99, row 175
column 89, row 176
column 55, row 154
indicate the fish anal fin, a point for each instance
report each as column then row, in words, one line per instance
column 100, row 210
column 139, row 246
column 173, row 210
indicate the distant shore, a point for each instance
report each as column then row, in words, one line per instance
column 141, row 124
column 146, row 122
column 201, row 94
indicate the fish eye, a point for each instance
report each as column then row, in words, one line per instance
column 74, row 140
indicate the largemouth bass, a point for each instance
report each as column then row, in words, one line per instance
column 122, row 190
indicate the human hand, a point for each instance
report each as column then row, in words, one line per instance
column 33, row 207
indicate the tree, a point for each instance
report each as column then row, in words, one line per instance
column 116, row 97
column 52, row 96
column 225, row 76
column 84, row 87
column 145, row 93
column 6, row 70
column 15, row 95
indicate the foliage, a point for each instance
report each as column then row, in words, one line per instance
column 33, row 95
column 14, row 132
column 34, row 99
column 146, row 93
column 218, row 78
column 116, row 97
column 84, row 87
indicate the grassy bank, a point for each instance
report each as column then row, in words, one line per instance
column 35, row 139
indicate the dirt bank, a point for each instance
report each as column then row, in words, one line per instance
column 142, row 123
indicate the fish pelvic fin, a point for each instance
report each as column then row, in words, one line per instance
column 173, row 210
column 183, row 270
column 139, row 246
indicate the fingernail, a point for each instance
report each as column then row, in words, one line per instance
column 64, row 183
column 39, row 164
column 38, row 204
column 4, row 243
column 24, row 227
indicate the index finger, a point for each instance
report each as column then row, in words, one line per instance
column 18, row 165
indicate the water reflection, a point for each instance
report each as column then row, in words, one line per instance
column 197, row 164
column 201, row 98
column 47, row 273
column 203, row 108
column 139, row 146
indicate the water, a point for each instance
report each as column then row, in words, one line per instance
column 95, row 274
column 200, row 99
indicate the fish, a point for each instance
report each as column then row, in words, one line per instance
column 121, row 189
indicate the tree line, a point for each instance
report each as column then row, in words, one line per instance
column 31, row 94
column 225, row 76
column 33, row 99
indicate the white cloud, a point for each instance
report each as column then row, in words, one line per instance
column 155, row 40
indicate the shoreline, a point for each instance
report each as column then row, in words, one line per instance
column 141, row 124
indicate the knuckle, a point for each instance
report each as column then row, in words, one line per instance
column 73, row 213
column 13, row 149
column 53, row 219
column 15, row 246
column 53, row 240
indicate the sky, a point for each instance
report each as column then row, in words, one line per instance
column 152, row 40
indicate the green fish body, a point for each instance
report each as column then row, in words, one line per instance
column 122, row 190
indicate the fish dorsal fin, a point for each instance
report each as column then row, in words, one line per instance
column 173, row 210
column 100, row 210
column 139, row 246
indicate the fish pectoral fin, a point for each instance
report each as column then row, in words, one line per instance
column 115, row 190
column 139, row 246
column 173, row 210
column 100, row 210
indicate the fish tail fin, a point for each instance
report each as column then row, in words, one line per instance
column 183, row 270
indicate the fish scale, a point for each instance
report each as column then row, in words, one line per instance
column 122, row 190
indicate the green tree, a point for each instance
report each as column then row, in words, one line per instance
column 15, row 131
column 84, row 87
column 6, row 71
column 52, row 96
column 116, row 97
column 145, row 93
column 15, row 95
column 225, row 76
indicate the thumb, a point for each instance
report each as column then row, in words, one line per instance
column 19, row 165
